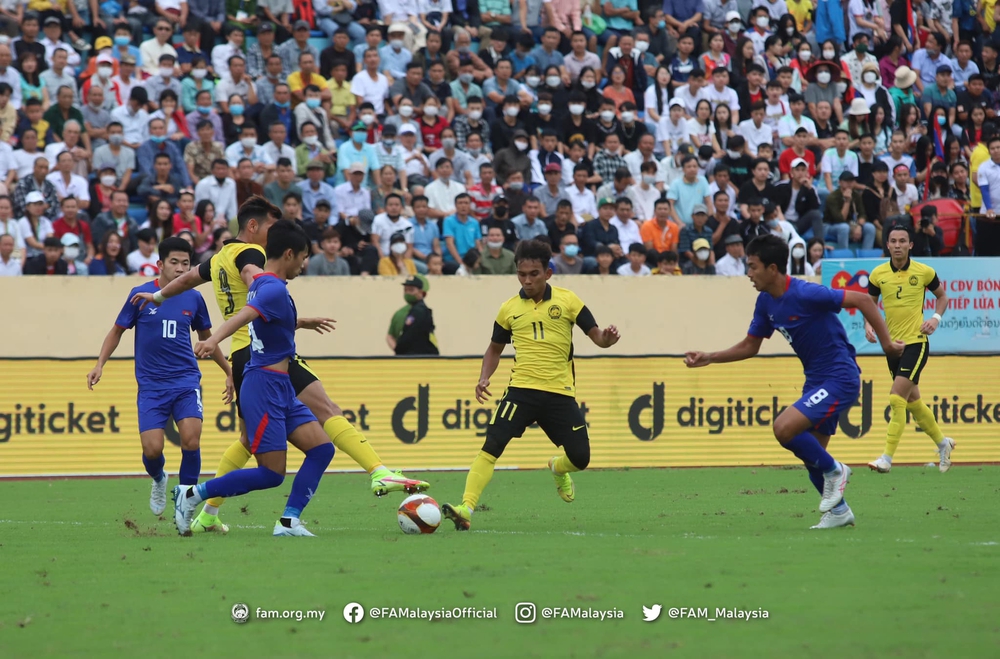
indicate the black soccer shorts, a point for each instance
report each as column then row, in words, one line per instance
column 910, row 364
column 557, row 415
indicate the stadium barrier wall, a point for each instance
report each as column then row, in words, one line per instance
column 69, row 317
column 972, row 322
column 419, row 413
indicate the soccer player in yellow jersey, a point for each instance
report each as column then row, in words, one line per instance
column 539, row 322
column 231, row 272
column 901, row 283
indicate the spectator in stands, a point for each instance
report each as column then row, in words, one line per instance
column 461, row 233
column 162, row 81
column 314, row 188
column 701, row 257
column 845, row 207
column 567, row 260
column 143, row 260
column 34, row 227
column 928, row 239
column 37, row 182
column 311, row 112
column 72, row 223
column 219, row 189
column 389, row 224
column 698, row 229
column 158, row 143
column 529, row 225
column 162, row 182
column 396, row 262
column 49, row 262
column 513, row 158
column 10, row 265
column 283, row 184
column 246, row 186
column 754, row 225
column 631, row 62
column 636, row 264
column 666, row 263
column 733, row 264
column 496, row 259
column 601, row 231
column 65, row 181
column 426, row 234
column 110, row 259
column 200, row 154
column 57, row 75
column 442, row 193
column 328, row 262
column 661, row 233
column 797, row 199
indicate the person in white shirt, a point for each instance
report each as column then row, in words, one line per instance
column 722, row 179
column 692, row 92
column 219, row 189
column 10, row 75
column 754, row 130
column 415, row 163
column 791, row 122
column 276, row 148
column 9, row 226
column 68, row 184
column 388, row 224
column 643, row 154
column 127, row 79
column 247, row 147
column 351, row 197
column 644, row 193
column 672, row 129
column 151, row 50
column 9, row 265
column 636, row 266
column 906, row 193
column 720, row 91
column 733, row 264
column 776, row 8
column 988, row 180
column 442, row 192
column 370, row 85
column 579, row 195
column 628, row 229
column 133, row 118
column 142, row 261
column 838, row 160
column 53, row 40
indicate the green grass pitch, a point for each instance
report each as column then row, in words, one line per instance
column 87, row 571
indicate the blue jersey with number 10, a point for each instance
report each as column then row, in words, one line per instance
column 272, row 335
column 806, row 315
column 164, row 358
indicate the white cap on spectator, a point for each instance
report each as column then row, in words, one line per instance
column 34, row 197
column 105, row 58
column 407, row 129
column 733, row 16
column 70, row 239
column 799, row 161
column 398, row 27
column 356, row 168
column 676, row 102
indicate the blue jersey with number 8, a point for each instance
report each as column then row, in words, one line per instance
column 806, row 315
column 164, row 358
column 272, row 335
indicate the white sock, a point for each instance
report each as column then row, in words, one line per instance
column 211, row 510
column 887, row 458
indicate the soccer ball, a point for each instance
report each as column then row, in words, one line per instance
column 419, row 514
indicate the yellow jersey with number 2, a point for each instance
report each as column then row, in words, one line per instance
column 902, row 294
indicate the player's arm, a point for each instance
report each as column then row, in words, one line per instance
column 318, row 325
column 602, row 338
column 745, row 349
column 863, row 303
column 206, row 347
column 931, row 324
column 219, row 358
column 491, row 359
column 874, row 291
column 108, row 348
column 189, row 280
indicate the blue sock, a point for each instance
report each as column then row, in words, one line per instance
column 240, row 482
column 190, row 466
column 808, row 449
column 154, row 467
column 307, row 480
column 840, row 508
column 816, row 476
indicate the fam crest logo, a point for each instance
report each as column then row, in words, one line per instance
column 555, row 312
column 845, row 281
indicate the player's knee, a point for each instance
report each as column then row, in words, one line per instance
column 152, row 452
column 272, row 478
column 494, row 445
column 191, row 443
column 784, row 431
column 578, row 455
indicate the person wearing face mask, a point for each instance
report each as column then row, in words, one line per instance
column 941, row 95
column 513, row 158
column 102, row 78
column 413, row 88
column 798, row 263
column 414, row 334
column 163, row 80
column 700, row 261
column 502, row 129
column 858, row 57
column 496, row 259
column 73, row 254
column 471, row 122
column 760, row 24
column 499, row 219
column 823, row 78
column 357, row 150
column 395, row 57
column 204, row 110
column 159, row 143
column 630, row 131
column 101, row 190
column 463, row 88
column 390, row 228
column 431, row 125
column 926, row 61
column 396, row 262
column 246, row 147
column 546, row 154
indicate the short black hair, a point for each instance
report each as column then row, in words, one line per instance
column 175, row 244
column 52, row 241
column 283, row 236
column 145, row 235
column 256, row 208
column 900, row 227
column 419, row 197
column 533, row 250
column 770, row 249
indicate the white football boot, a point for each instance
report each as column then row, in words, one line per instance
column 833, row 487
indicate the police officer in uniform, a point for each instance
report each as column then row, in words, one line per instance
column 417, row 334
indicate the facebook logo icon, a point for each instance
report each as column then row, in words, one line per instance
column 354, row 612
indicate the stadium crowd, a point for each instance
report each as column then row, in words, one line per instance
column 431, row 136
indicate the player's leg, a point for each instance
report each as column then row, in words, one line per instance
column 188, row 412
column 841, row 514
column 900, row 368
column 513, row 414
column 235, row 457
column 925, row 418
column 154, row 413
column 309, row 438
column 563, row 423
column 818, row 410
column 346, row 437
column 266, row 400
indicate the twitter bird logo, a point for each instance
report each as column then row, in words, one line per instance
column 649, row 615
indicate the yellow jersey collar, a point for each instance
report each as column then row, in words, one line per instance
column 545, row 296
column 905, row 267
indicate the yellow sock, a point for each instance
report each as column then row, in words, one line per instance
column 925, row 419
column 562, row 465
column 479, row 477
column 897, row 423
column 235, row 457
column 347, row 439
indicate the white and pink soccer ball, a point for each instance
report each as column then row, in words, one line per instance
column 419, row 514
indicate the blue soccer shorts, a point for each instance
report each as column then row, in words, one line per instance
column 156, row 407
column 271, row 410
column 823, row 402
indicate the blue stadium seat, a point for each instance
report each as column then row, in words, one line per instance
column 869, row 253
column 138, row 213
column 841, row 254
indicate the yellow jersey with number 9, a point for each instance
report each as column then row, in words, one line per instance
column 542, row 335
column 902, row 293
column 230, row 290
